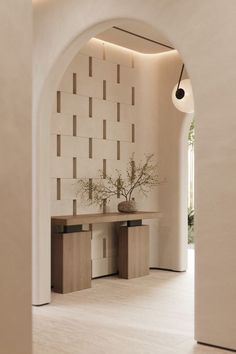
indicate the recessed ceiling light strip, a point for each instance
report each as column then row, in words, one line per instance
column 142, row 37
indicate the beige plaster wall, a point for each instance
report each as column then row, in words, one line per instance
column 158, row 128
column 15, row 177
column 203, row 32
column 162, row 129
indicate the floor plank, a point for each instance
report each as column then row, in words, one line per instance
column 152, row 314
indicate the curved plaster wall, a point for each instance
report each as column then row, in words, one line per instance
column 194, row 31
column 157, row 130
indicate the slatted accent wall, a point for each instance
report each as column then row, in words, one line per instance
column 92, row 129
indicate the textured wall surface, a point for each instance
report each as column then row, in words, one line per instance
column 93, row 133
column 110, row 103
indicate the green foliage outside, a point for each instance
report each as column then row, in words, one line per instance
column 190, row 226
column 191, row 139
column 191, row 134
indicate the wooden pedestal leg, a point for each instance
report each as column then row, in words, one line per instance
column 71, row 261
column 133, row 259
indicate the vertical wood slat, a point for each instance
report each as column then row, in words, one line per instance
column 58, row 101
column 74, row 125
column 132, row 61
column 104, row 247
column 58, row 189
column 118, row 74
column 104, row 129
column 104, row 206
column 58, row 145
column 118, row 111
column 132, row 168
column 133, row 133
column 90, row 66
column 90, row 188
column 104, row 169
column 90, row 107
column 133, row 96
column 104, row 88
column 103, row 52
column 118, row 150
column 74, row 207
column 74, row 167
column 118, row 188
column 90, row 148
column 74, row 83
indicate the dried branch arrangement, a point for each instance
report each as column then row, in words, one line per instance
column 140, row 176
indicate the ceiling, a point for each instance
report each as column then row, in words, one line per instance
column 130, row 41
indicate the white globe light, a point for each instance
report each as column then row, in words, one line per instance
column 185, row 101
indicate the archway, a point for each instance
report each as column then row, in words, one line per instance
column 189, row 42
column 170, row 245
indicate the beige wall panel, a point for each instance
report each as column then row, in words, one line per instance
column 104, row 109
column 53, row 145
column 72, row 146
column 104, row 70
column 104, row 266
column 113, row 165
column 66, row 83
column 112, row 205
column 118, row 55
column 62, row 124
column 69, row 189
column 61, row 167
column 90, row 127
column 118, row 92
column 119, row 131
column 127, row 113
column 53, row 189
column 93, row 48
column 83, row 206
column 127, row 150
column 78, row 65
column 61, row 207
column 101, row 231
column 129, row 75
column 88, row 86
column 74, row 104
column 89, row 168
column 104, row 148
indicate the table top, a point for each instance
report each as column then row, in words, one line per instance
column 99, row 218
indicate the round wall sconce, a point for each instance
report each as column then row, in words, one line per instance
column 182, row 95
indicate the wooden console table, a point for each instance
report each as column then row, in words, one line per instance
column 71, row 248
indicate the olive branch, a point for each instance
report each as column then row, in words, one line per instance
column 142, row 176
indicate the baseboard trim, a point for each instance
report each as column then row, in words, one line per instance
column 217, row 346
column 104, row 276
column 168, row 270
column 46, row 303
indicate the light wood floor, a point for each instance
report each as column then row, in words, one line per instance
column 148, row 315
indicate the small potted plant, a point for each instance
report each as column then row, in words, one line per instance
column 141, row 176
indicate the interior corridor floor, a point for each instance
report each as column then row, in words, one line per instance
column 148, row 315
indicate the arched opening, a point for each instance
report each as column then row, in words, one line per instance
column 167, row 255
column 165, row 136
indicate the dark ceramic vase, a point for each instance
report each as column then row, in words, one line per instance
column 127, row 206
